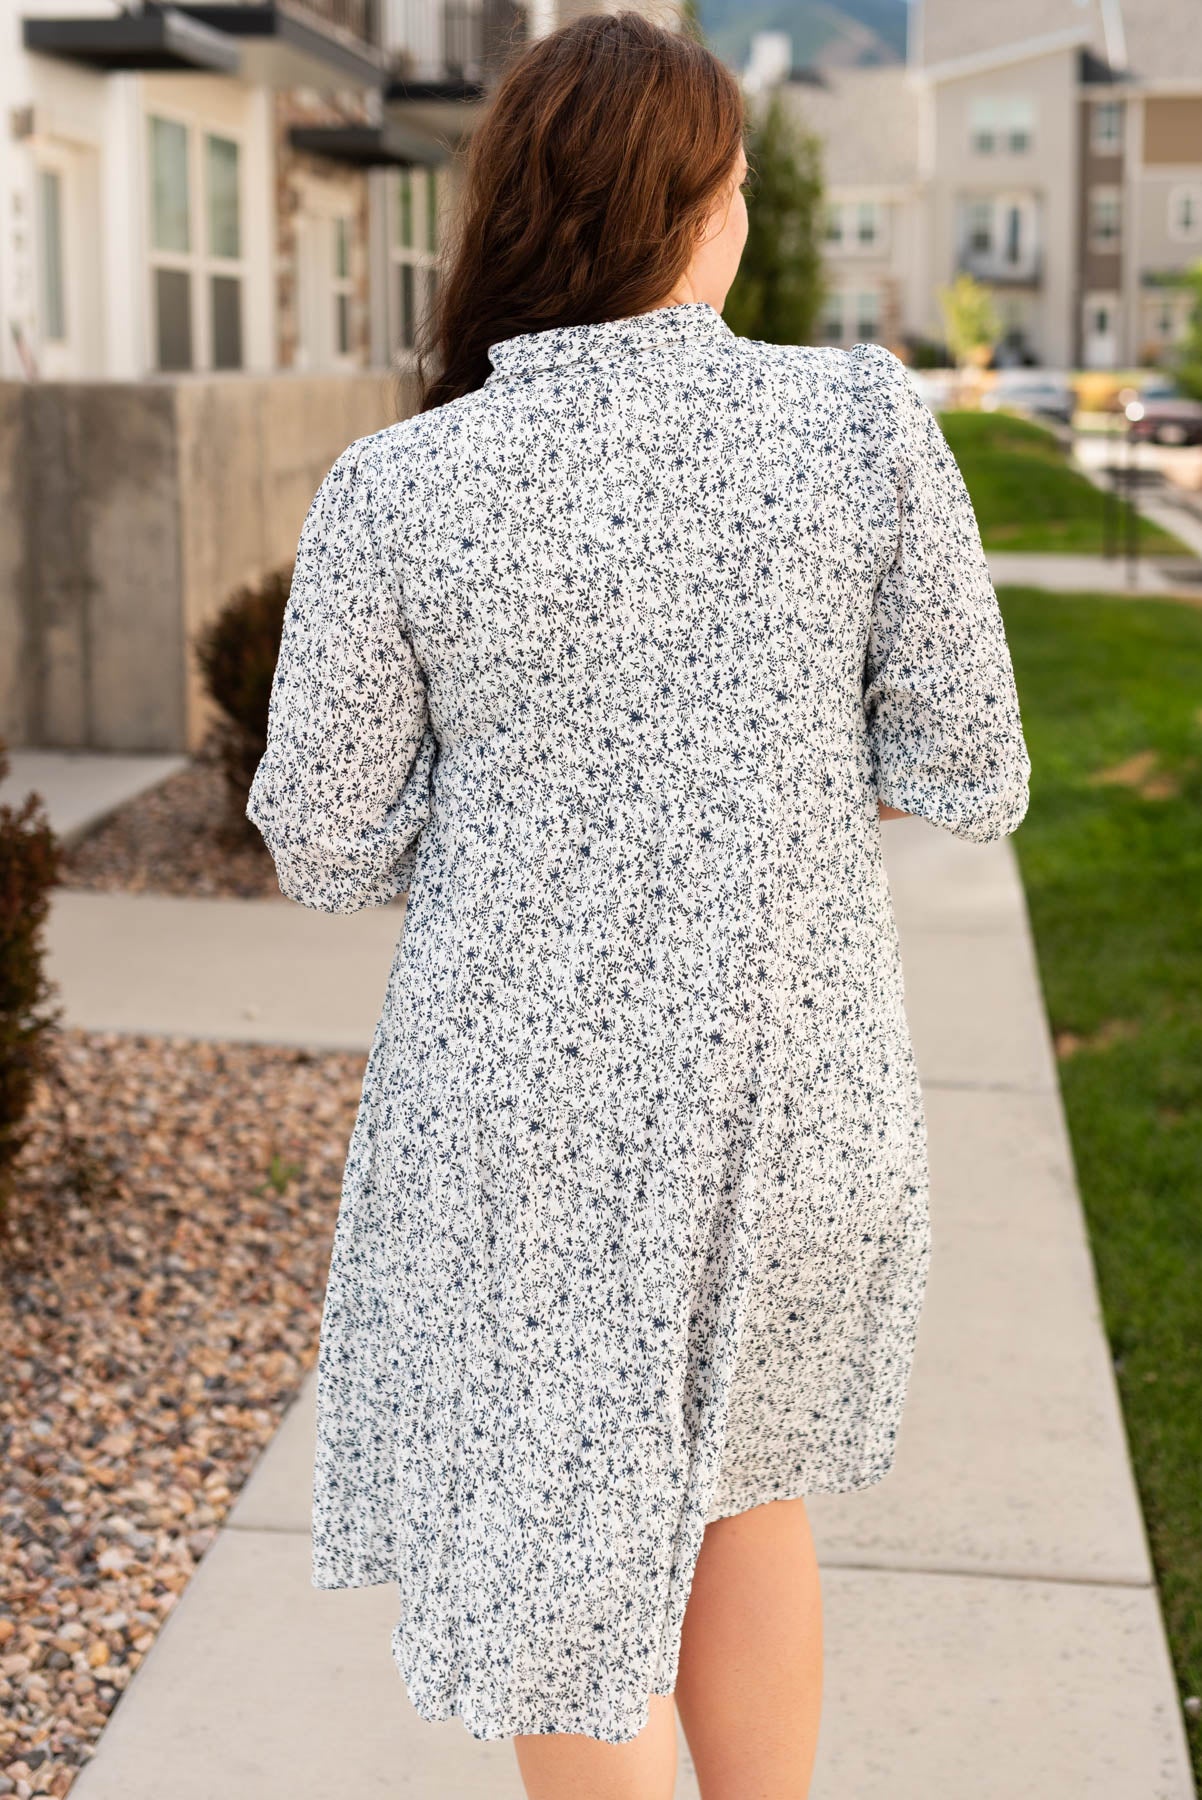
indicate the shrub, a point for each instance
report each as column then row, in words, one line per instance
column 29, row 868
column 237, row 652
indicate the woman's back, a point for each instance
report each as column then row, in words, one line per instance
column 610, row 658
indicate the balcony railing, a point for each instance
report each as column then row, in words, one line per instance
column 477, row 35
column 1001, row 271
column 360, row 17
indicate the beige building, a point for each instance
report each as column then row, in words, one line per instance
column 220, row 227
column 1052, row 148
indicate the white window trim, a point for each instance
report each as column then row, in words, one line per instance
column 56, row 355
column 877, row 310
column 834, row 303
column 847, row 211
column 198, row 261
column 998, row 117
column 418, row 255
column 1176, row 194
column 329, row 200
column 1100, row 143
column 1104, row 243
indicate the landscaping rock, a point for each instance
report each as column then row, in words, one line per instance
column 162, row 1268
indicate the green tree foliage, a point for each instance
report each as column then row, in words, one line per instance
column 690, row 19
column 779, row 290
column 970, row 320
column 1187, row 363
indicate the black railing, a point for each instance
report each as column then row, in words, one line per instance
column 478, row 35
column 358, row 18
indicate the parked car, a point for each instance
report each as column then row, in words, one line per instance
column 1035, row 396
column 1162, row 414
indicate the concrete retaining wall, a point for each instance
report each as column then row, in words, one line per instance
column 129, row 511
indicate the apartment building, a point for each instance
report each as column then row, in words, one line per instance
column 217, row 187
column 220, row 227
column 1051, row 148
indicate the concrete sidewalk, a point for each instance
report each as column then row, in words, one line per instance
column 81, row 787
column 1066, row 574
column 992, row 1629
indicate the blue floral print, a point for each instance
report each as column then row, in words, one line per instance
column 607, row 664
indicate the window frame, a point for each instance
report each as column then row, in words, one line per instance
column 412, row 265
column 1001, row 124
column 1104, row 243
column 1185, row 191
column 1101, row 143
column 199, row 262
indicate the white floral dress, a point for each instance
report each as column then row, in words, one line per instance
column 608, row 663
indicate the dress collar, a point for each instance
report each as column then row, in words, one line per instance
column 692, row 322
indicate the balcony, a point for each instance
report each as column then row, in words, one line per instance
column 995, row 270
column 358, row 18
column 452, row 51
column 322, row 44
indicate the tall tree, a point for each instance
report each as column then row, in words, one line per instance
column 780, row 287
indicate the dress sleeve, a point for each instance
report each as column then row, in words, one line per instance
column 342, row 790
column 939, row 695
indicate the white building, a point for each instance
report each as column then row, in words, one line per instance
column 1052, row 148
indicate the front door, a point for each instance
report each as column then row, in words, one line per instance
column 1100, row 336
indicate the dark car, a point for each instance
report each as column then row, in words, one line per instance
column 1163, row 415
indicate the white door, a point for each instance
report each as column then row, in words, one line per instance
column 64, row 227
column 312, row 288
column 1100, row 334
column 324, row 230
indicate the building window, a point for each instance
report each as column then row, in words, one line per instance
column 834, row 226
column 1185, row 213
column 414, row 253
column 197, row 281
column 832, row 319
column 1106, row 127
column 52, row 302
column 1105, row 218
column 980, row 227
column 1001, row 124
column 224, row 275
column 868, row 225
column 1014, row 234
column 868, row 316
column 343, row 285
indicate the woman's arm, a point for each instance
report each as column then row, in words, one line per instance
column 343, row 788
column 890, row 812
column 942, row 713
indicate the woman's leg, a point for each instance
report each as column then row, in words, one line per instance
column 749, row 1683
column 563, row 1766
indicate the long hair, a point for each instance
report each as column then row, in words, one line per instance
column 602, row 152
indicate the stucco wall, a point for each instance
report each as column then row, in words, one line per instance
column 128, row 514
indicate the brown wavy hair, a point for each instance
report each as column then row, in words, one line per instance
column 601, row 154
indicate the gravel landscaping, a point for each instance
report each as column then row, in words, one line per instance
column 171, row 840
column 162, row 1267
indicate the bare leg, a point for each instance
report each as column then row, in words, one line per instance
column 564, row 1766
column 749, row 1683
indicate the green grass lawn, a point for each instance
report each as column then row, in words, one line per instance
column 1113, row 876
column 1025, row 493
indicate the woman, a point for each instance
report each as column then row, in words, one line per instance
column 614, row 655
